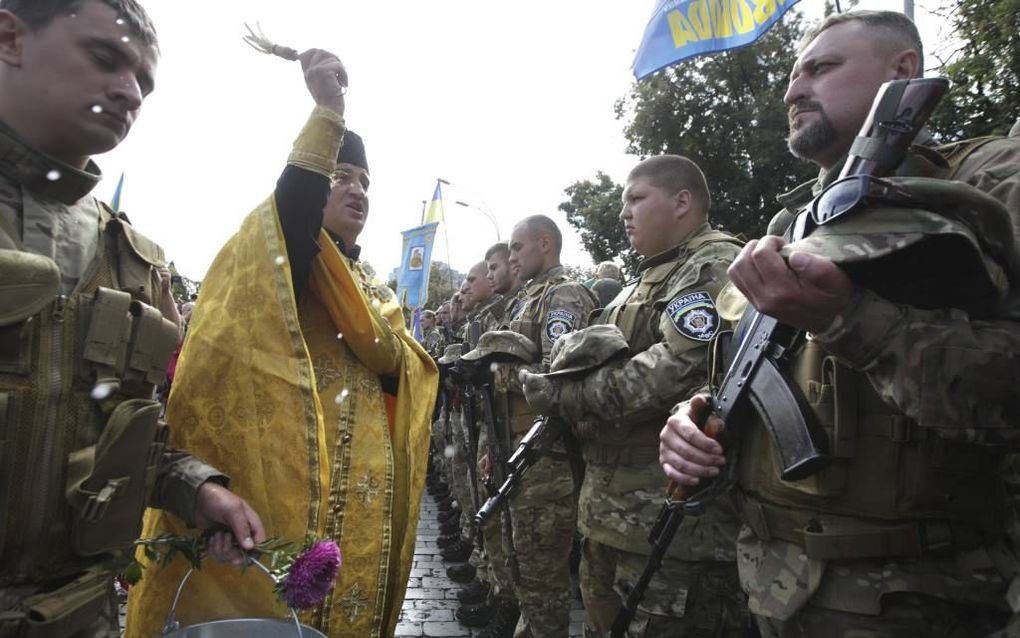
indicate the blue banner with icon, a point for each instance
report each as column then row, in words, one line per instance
column 413, row 278
column 681, row 29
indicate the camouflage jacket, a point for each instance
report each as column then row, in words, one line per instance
column 949, row 375
column 668, row 317
column 490, row 315
column 547, row 307
column 46, row 208
column 433, row 342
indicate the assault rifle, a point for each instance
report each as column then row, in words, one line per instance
column 467, row 381
column 543, row 433
column 756, row 376
column 498, row 474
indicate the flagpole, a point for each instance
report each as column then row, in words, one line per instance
column 446, row 237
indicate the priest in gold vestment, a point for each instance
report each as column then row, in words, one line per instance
column 300, row 380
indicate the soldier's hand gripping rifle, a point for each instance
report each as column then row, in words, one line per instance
column 497, row 347
column 543, row 434
column 756, row 376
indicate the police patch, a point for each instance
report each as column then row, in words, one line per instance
column 694, row 316
column 559, row 323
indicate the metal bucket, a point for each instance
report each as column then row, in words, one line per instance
column 239, row 627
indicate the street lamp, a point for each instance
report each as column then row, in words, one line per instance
column 484, row 211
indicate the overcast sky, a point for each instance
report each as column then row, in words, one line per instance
column 509, row 101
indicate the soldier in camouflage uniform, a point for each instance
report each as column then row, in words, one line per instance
column 431, row 336
column 544, row 508
column 478, row 301
column 902, row 533
column 492, row 591
column 668, row 318
column 87, row 325
column 457, row 547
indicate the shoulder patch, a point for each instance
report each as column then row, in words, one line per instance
column 693, row 314
column 559, row 323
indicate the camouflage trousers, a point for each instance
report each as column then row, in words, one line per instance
column 544, row 519
column 684, row 599
column 461, row 481
column 491, row 560
column 904, row 615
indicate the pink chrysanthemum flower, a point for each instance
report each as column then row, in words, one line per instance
column 312, row 575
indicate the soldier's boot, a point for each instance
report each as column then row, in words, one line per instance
column 448, row 515
column 478, row 615
column 451, row 526
column 504, row 621
column 447, row 504
column 476, row 592
column 461, row 572
column 458, row 552
column 447, row 539
column 438, row 486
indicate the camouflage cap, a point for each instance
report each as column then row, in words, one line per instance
column 503, row 345
column 952, row 248
column 27, row 283
column 451, row 355
column 586, row 349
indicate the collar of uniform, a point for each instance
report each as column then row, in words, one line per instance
column 795, row 199
column 826, row 177
column 673, row 253
column 32, row 169
column 351, row 253
column 555, row 271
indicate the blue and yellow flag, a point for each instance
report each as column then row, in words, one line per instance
column 413, row 279
column 681, row 29
column 435, row 212
column 115, row 202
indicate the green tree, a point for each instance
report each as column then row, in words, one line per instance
column 726, row 113
column 442, row 282
column 984, row 68
column 593, row 208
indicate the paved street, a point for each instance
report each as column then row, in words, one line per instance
column 431, row 596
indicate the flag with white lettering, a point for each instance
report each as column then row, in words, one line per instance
column 681, row 29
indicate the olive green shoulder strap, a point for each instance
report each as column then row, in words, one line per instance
column 956, row 153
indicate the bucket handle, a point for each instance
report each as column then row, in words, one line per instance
column 172, row 624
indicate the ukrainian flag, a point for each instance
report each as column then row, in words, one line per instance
column 115, row 202
column 435, row 212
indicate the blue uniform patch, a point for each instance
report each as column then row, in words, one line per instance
column 559, row 323
column 694, row 315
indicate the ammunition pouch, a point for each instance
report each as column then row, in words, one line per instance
column 129, row 343
column 28, row 283
column 137, row 256
column 109, row 484
column 891, row 486
column 64, row 611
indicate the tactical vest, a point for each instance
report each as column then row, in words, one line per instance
column 892, row 488
column 636, row 312
column 528, row 313
column 80, row 436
